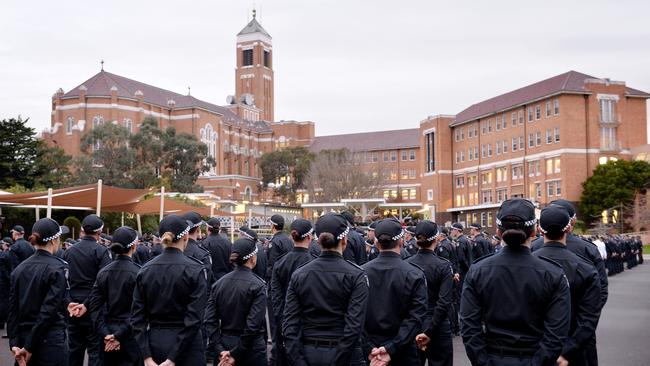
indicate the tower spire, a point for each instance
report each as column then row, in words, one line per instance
column 254, row 13
column 102, row 62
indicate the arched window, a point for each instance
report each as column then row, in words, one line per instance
column 128, row 123
column 248, row 193
column 68, row 126
column 209, row 138
column 98, row 120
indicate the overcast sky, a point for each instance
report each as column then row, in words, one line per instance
column 349, row 66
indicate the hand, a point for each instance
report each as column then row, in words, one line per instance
column 111, row 343
column 456, row 277
column 149, row 362
column 168, row 363
column 379, row 357
column 21, row 355
column 422, row 341
column 561, row 361
column 225, row 359
column 76, row 310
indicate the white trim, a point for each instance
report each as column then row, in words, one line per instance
column 401, row 204
column 267, row 77
column 323, row 205
column 476, row 207
column 247, row 76
column 407, row 185
column 257, row 36
column 130, row 109
column 429, row 130
column 429, row 174
column 614, row 97
column 533, row 157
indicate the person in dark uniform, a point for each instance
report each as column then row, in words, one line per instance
column 464, row 249
column 85, row 258
column 142, row 253
column 589, row 251
column 219, row 248
column 38, row 300
column 496, row 244
column 446, row 250
column 20, row 249
column 110, row 301
column 64, row 246
column 236, row 310
column 480, row 245
column 410, row 245
column 260, row 267
column 326, row 303
column 435, row 341
column 279, row 245
column 639, row 245
column 584, row 283
column 156, row 247
column 169, row 301
column 302, row 233
column 355, row 249
column 371, row 247
column 399, row 301
column 515, row 307
column 193, row 249
column 5, row 279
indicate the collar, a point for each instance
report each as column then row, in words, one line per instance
column 44, row 252
column 89, row 238
column 243, row 269
column 554, row 244
column 389, row 254
column 124, row 257
column 300, row 249
column 172, row 251
column 516, row 250
column 330, row 254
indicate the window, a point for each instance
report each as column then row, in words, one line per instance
column 412, row 193
column 498, row 147
column 430, row 157
column 514, row 144
column 267, row 58
column 535, row 190
column 460, row 200
column 375, row 157
column 489, row 150
column 530, row 114
column 470, row 154
column 490, row 220
column 460, row 182
column 471, row 180
column 247, row 57
column 531, row 140
column 128, row 123
column 368, row 157
column 549, row 166
column 608, row 138
column 557, row 166
column 607, row 110
column 548, row 108
column 503, row 122
column 404, row 155
column 505, row 146
column 521, row 142
column 385, row 155
column 533, row 168
column 521, row 117
column 97, row 120
column 517, row 172
column 405, row 174
column 513, row 117
column 69, row 124
column 393, row 156
column 557, row 134
column 538, row 138
column 538, row 112
column 412, row 173
column 486, row 178
column 405, row 194
column 556, row 106
column 550, row 189
column 502, row 174
column 502, row 195
column 498, row 124
column 473, row 198
column 483, row 128
column 549, row 136
column 429, row 194
column 489, row 126
column 474, row 217
column 486, row 196
column 483, row 151
column 457, row 157
column 393, row 175
column 475, row 152
column 411, row 155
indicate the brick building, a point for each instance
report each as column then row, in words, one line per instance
column 237, row 134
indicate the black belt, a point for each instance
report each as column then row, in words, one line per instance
column 232, row 333
column 167, row 326
column 521, row 352
column 320, row 342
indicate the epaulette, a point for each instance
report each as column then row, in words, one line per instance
column 585, row 259
column 194, row 259
column 482, row 258
column 550, row 261
column 444, row 259
column 139, row 266
column 259, row 278
column 354, row 264
column 62, row 260
column 415, row 265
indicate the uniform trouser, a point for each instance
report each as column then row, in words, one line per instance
column 640, row 255
column 440, row 350
column 162, row 340
column 256, row 356
column 405, row 356
column 452, row 312
column 278, row 352
column 496, row 360
column 127, row 355
column 52, row 350
column 324, row 356
column 82, row 336
column 591, row 352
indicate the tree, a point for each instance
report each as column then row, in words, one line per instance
column 336, row 174
column 184, row 159
column 18, row 152
column 51, row 167
column 147, row 144
column 287, row 168
column 107, row 156
column 613, row 186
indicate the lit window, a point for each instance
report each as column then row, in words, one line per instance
column 557, row 165
column 412, row 194
column 489, row 219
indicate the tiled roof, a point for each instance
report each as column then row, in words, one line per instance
column 254, row 27
column 569, row 82
column 368, row 141
column 101, row 84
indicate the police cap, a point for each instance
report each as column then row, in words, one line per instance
column 247, row 232
column 475, row 225
column 554, row 219
column 302, row 227
column 410, row 230
column 245, row 247
column 334, row 224
column 348, row 216
column 8, row 240
column 213, row 223
column 125, row 236
column 372, row 226
column 389, row 227
column 457, row 226
column 567, row 206
column 92, row 224
column 277, row 220
column 18, row 229
column 427, row 229
column 174, row 224
column 519, row 211
column 48, row 229
column 193, row 217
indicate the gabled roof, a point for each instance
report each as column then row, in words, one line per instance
column 101, row 83
column 569, row 82
column 368, row 141
column 254, row 27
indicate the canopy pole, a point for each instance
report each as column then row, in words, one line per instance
column 38, row 213
column 162, row 202
column 49, row 203
column 250, row 217
column 137, row 218
column 232, row 224
column 99, row 198
column 122, row 219
column 212, row 210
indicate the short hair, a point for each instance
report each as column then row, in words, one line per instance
column 387, row 242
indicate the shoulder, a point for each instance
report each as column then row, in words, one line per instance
column 550, row 264
column 483, row 258
column 355, row 267
column 414, row 267
column 257, row 280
